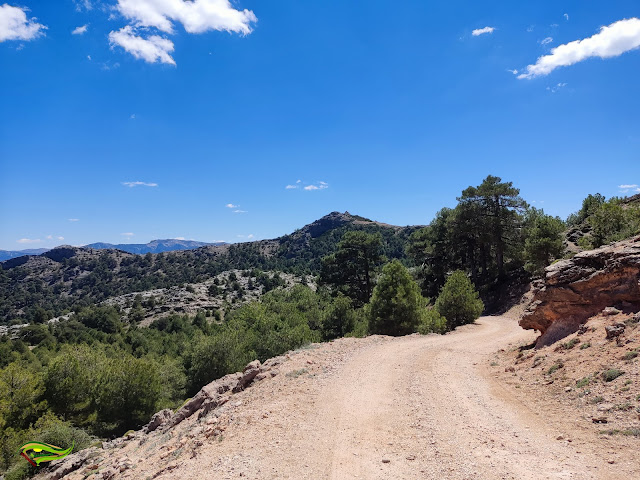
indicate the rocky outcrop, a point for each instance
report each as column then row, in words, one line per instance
column 158, row 419
column 584, row 286
column 217, row 392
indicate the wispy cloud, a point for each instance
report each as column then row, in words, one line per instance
column 80, row 30
column 611, row 41
column 132, row 116
column 250, row 236
column 80, row 4
column 514, row 71
column 546, row 41
column 557, row 87
column 482, row 31
column 566, row 17
column 51, row 237
column 139, row 184
column 29, row 240
column 127, row 234
column 239, row 211
column 152, row 49
column 73, row 219
column 14, row 24
column 231, row 205
column 310, row 187
column 629, row 188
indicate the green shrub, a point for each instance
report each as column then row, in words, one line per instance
column 611, row 375
column 339, row 318
column 583, row 382
column 630, row 355
column 555, row 368
column 432, row 322
column 396, row 304
column 458, row 301
column 570, row 344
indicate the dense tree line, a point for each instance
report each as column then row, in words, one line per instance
column 602, row 221
column 491, row 234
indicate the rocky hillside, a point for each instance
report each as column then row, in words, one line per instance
column 67, row 276
column 576, row 289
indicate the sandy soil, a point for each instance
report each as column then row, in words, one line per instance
column 428, row 407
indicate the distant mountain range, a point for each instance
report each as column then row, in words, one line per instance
column 7, row 254
column 155, row 246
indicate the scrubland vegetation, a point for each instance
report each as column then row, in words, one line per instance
column 99, row 374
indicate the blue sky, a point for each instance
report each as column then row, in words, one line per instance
column 385, row 109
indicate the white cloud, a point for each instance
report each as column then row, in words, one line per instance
column 231, row 205
column 80, row 30
column 626, row 188
column 239, row 211
column 250, row 236
column 566, row 17
column 132, row 116
column 127, row 234
column 14, row 24
column 80, row 4
column 557, row 87
column 514, row 71
column 139, row 184
column 531, row 28
column 289, row 187
column 317, row 186
column 74, row 219
column 29, row 240
column 60, row 238
column 482, row 31
column 546, row 40
column 152, row 49
column 612, row 41
column 49, row 237
column 89, row 57
column 179, row 238
column 196, row 16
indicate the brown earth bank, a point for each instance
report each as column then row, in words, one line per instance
column 578, row 288
column 381, row 408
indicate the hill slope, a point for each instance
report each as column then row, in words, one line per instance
column 69, row 276
column 375, row 408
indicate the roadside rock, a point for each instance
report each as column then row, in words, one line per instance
column 583, row 286
column 158, row 420
column 614, row 331
column 73, row 462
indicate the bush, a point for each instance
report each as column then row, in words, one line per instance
column 432, row 322
column 339, row 318
column 611, row 375
column 458, row 301
column 396, row 304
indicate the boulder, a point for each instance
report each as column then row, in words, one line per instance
column 581, row 287
column 614, row 331
column 158, row 419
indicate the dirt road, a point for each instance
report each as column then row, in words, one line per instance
column 418, row 407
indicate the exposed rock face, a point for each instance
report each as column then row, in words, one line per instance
column 158, row 420
column 583, row 286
